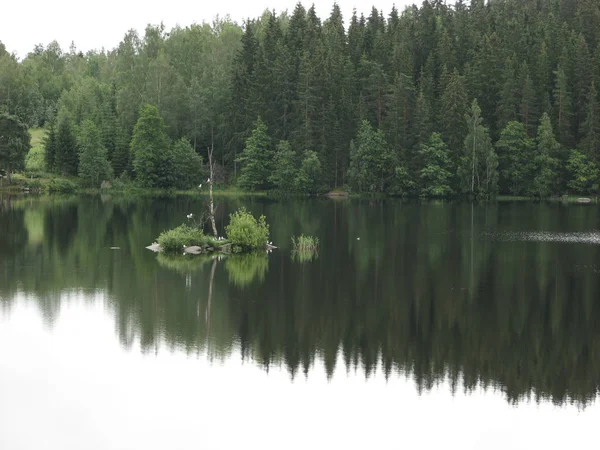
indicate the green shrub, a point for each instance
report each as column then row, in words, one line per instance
column 62, row 185
column 172, row 241
column 246, row 232
column 305, row 248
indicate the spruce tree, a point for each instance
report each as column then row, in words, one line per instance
column 435, row 176
column 256, row 160
column 453, row 109
column 590, row 129
column 67, row 153
column 545, row 165
column 150, row 147
column 516, row 151
column 94, row 166
column 50, row 147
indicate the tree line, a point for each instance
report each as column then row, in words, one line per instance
column 472, row 98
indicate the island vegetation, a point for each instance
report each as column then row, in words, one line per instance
column 471, row 98
column 244, row 233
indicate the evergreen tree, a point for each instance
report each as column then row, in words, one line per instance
column 284, row 168
column 563, row 108
column 14, row 144
column 66, row 158
column 94, row 166
column 308, row 178
column 453, row 110
column 186, row 165
column 435, row 176
column 257, row 160
column 590, row 129
column 545, row 176
column 516, row 151
column 50, row 147
column 527, row 106
column 150, row 147
column 371, row 161
column 508, row 105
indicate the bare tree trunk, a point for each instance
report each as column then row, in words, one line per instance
column 210, row 184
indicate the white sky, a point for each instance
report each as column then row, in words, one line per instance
column 24, row 23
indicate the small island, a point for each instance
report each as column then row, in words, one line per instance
column 244, row 233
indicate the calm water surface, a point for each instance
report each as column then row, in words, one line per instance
column 418, row 324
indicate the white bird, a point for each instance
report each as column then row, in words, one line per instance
column 200, row 186
column 358, row 239
column 208, row 180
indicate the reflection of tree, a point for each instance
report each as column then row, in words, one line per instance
column 433, row 299
column 245, row 268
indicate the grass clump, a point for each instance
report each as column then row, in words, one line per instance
column 305, row 248
column 246, row 232
column 172, row 241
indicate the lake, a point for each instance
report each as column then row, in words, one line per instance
column 417, row 324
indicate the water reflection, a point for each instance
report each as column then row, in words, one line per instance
column 424, row 291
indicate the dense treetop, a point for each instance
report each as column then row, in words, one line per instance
column 320, row 84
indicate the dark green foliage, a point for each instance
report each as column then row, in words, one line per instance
column 186, row 165
column 515, row 152
column 284, row 170
column 584, row 174
column 478, row 165
column 256, row 160
column 313, row 84
column 150, row 148
column 14, row 144
column 435, row 176
column 545, row 165
column 309, row 176
column 50, row 144
column 454, row 105
column 372, row 162
column 590, row 129
column 94, row 166
column 66, row 159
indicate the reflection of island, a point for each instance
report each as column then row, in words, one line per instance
column 430, row 301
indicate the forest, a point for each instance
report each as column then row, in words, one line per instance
column 475, row 98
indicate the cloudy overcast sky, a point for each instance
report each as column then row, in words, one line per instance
column 24, row 23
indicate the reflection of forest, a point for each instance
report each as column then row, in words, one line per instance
column 434, row 300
